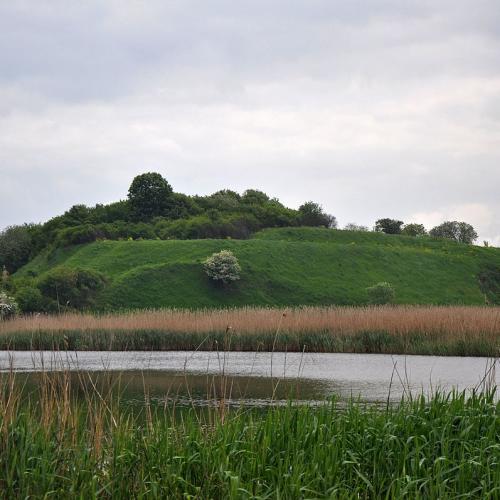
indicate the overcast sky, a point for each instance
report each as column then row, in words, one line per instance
column 371, row 108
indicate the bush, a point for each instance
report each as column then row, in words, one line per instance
column 8, row 306
column 355, row 227
column 381, row 293
column 30, row 299
column 489, row 282
column 388, row 226
column 223, row 267
column 312, row 214
column 453, row 230
column 73, row 288
column 414, row 230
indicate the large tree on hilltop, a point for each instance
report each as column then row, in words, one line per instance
column 150, row 195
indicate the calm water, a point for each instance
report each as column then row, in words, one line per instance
column 257, row 378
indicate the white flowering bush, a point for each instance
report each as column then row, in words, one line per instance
column 8, row 306
column 381, row 293
column 223, row 267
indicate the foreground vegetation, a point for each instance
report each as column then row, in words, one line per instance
column 460, row 331
column 54, row 444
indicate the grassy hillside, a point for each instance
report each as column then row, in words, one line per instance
column 280, row 267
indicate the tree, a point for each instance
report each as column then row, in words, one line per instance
column 150, row 195
column 414, row 230
column 453, row 230
column 222, row 266
column 16, row 246
column 254, row 197
column 355, row 227
column 381, row 293
column 312, row 214
column 389, row 226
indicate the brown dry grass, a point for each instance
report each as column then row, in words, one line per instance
column 448, row 322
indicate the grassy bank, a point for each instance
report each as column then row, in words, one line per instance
column 461, row 331
column 57, row 446
column 281, row 267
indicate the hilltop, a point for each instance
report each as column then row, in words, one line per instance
column 281, row 267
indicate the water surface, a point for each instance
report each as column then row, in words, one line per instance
column 259, row 378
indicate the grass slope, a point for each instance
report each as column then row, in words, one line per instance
column 281, row 267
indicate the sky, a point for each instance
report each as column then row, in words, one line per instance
column 373, row 109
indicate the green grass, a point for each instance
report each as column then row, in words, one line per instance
column 447, row 446
column 281, row 267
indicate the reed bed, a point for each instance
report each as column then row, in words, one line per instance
column 56, row 445
column 395, row 329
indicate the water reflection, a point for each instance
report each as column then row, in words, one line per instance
column 203, row 378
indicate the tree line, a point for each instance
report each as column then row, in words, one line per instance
column 153, row 210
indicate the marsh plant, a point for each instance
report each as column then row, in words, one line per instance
column 54, row 444
column 439, row 330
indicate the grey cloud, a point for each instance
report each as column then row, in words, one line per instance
column 373, row 108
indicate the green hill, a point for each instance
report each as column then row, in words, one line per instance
column 290, row 266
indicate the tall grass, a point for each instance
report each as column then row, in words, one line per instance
column 462, row 330
column 56, row 445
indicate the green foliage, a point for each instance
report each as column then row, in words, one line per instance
column 16, row 247
column 30, row 300
column 489, row 281
column 150, row 195
column 453, row 230
column 223, row 267
column 312, row 214
column 381, row 293
column 87, row 233
column 8, row 306
column 438, row 447
column 282, row 266
column 254, row 197
column 213, row 225
column 72, row 287
column 355, row 227
column 414, row 230
column 389, row 226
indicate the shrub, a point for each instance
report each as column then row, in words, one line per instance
column 223, row 267
column 414, row 230
column 355, row 227
column 73, row 288
column 381, row 293
column 8, row 306
column 489, row 282
column 453, row 230
column 312, row 214
column 388, row 226
column 30, row 299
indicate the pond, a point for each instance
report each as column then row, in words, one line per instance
column 258, row 379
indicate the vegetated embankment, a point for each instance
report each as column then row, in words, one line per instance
column 280, row 267
column 461, row 331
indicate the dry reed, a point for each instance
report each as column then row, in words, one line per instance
column 447, row 322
